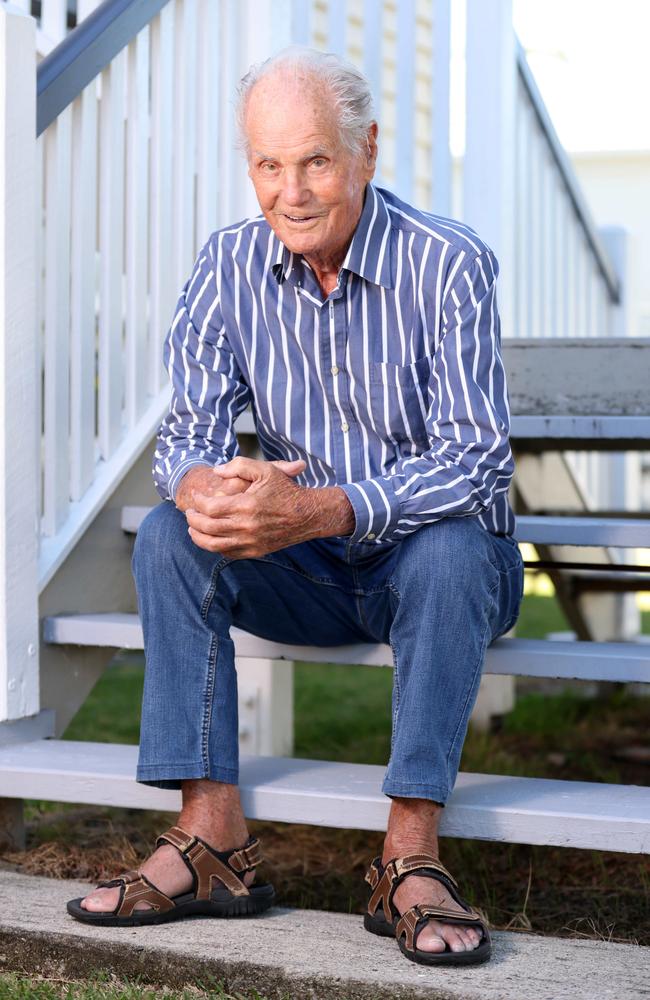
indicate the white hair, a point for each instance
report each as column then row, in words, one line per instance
column 349, row 90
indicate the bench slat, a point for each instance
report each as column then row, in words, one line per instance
column 599, row 531
column 323, row 793
column 599, row 661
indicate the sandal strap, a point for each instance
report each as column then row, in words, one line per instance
column 207, row 864
column 136, row 888
column 385, row 879
column 413, row 920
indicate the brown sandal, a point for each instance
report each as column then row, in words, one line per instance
column 383, row 919
column 231, row 899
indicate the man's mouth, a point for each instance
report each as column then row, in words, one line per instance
column 300, row 218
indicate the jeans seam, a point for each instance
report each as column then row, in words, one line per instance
column 481, row 658
column 396, row 681
column 207, row 703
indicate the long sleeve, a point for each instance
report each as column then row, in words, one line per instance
column 208, row 391
column 468, row 461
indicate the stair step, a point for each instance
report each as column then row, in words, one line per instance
column 597, row 661
column 325, row 793
column 601, row 432
column 598, row 433
column 621, row 532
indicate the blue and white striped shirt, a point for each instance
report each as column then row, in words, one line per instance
column 392, row 387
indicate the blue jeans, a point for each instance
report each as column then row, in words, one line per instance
column 439, row 597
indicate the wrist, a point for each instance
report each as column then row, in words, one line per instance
column 336, row 513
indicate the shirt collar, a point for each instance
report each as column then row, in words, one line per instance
column 370, row 254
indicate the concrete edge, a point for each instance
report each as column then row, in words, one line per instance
column 33, row 953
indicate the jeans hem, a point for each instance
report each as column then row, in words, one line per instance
column 415, row 790
column 161, row 776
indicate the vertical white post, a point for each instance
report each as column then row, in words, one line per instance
column 489, row 196
column 19, row 693
column 489, row 170
column 440, row 152
column 616, row 241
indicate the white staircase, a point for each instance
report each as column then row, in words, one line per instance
column 87, row 484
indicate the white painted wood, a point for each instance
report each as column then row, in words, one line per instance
column 265, row 701
column 137, row 196
column 111, row 236
column 209, row 113
column 336, row 26
column 405, row 100
column 488, row 173
column 440, row 151
column 183, row 247
column 519, row 657
column 107, row 476
column 594, row 431
column 53, row 19
column 539, row 530
column 82, row 292
column 616, row 241
column 39, row 321
column 19, row 385
column 622, row 532
column 163, row 292
column 56, row 473
column 323, row 793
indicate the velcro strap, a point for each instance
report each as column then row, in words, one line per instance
column 246, row 857
column 125, row 878
column 412, row 861
column 447, row 915
column 180, row 838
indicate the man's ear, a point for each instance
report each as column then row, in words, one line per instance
column 371, row 146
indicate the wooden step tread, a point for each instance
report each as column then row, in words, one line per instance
column 324, row 793
column 600, row 661
column 539, row 529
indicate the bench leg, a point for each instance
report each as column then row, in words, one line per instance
column 265, row 706
column 12, row 825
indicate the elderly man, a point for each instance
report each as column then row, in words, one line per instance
column 365, row 335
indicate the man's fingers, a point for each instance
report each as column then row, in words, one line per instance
column 215, row 506
column 293, row 468
column 245, row 468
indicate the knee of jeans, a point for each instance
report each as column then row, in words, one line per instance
column 448, row 551
column 158, row 534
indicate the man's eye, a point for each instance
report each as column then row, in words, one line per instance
column 268, row 168
column 318, row 162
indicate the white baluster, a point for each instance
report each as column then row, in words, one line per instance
column 83, row 292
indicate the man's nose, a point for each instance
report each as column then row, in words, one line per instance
column 295, row 188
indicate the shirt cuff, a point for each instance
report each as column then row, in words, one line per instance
column 180, row 470
column 376, row 509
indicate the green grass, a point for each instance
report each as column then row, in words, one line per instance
column 103, row 986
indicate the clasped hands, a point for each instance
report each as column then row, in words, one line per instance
column 247, row 508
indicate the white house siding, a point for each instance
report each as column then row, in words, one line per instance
column 386, row 15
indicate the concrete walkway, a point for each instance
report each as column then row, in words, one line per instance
column 301, row 954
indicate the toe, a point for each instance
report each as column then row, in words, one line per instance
column 429, row 939
column 451, row 935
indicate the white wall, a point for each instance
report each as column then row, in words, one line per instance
column 617, row 188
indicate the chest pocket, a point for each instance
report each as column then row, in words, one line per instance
column 399, row 399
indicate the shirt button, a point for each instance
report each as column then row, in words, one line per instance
column 334, row 370
column 345, row 428
column 371, row 536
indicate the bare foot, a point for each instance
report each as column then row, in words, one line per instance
column 435, row 935
column 165, row 868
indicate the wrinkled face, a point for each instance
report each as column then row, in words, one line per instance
column 310, row 188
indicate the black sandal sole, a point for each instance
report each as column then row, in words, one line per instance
column 221, row 904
